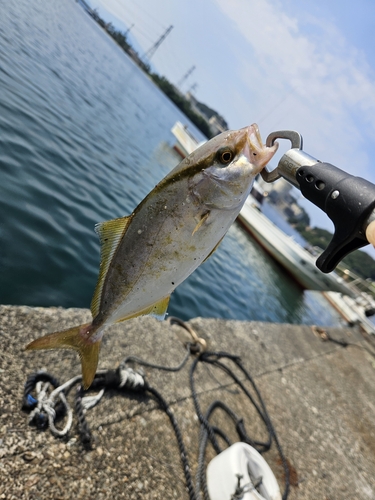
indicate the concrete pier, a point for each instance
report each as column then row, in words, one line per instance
column 320, row 397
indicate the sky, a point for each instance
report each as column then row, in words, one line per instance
column 283, row 64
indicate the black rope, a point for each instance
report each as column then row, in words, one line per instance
column 208, row 431
column 82, row 425
column 159, row 367
column 325, row 336
column 344, row 344
column 114, row 379
column 183, row 454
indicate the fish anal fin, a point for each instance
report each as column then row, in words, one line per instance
column 89, row 356
column 110, row 234
column 214, row 249
column 78, row 339
column 158, row 310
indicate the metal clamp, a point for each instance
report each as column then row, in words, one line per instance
column 296, row 142
column 348, row 201
column 199, row 345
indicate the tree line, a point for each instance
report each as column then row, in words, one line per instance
column 165, row 86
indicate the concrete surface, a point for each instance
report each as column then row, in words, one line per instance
column 320, row 397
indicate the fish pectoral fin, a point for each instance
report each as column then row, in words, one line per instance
column 110, row 234
column 158, row 310
column 201, row 222
column 214, row 249
column 74, row 338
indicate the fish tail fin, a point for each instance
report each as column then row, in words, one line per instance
column 78, row 339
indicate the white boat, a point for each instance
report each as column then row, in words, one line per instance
column 299, row 263
column 355, row 311
column 347, row 293
column 186, row 143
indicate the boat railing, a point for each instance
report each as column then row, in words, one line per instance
column 355, row 282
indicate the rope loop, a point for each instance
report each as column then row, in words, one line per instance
column 44, row 413
column 29, row 402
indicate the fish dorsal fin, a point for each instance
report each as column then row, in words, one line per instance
column 110, row 234
column 158, row 310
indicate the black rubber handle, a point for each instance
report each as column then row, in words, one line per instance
column 347, row 200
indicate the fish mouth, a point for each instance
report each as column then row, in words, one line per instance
column 258, row 153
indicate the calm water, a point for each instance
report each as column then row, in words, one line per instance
column 84, row 136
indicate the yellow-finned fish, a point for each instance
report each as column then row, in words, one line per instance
column 179, row 224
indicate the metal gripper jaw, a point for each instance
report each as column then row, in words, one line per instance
column 348, row 201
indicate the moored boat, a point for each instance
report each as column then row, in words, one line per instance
column 185, row 143
column 299, row 263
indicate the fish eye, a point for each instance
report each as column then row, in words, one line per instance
column 225, row 156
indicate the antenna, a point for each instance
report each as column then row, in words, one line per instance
column 186, row 76
column 127, row 31
column 193, row 88
column 151, row 51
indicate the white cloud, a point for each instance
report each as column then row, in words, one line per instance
column 256, row 61
column 305, row 75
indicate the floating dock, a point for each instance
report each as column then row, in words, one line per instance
column 319, row 395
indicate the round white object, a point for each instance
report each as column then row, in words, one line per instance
column 238, row 459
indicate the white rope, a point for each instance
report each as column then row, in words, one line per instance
column 69, row 421
column 54, row 394
column 89, row 402
column 41, row 396
column 131, row 379
column 46, row 404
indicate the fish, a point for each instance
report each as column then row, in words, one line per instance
column 176, row 227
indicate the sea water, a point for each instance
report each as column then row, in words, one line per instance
column 84, row 136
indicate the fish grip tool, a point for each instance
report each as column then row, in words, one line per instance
column 349, row 201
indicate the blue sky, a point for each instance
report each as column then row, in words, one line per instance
column 284, row 64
